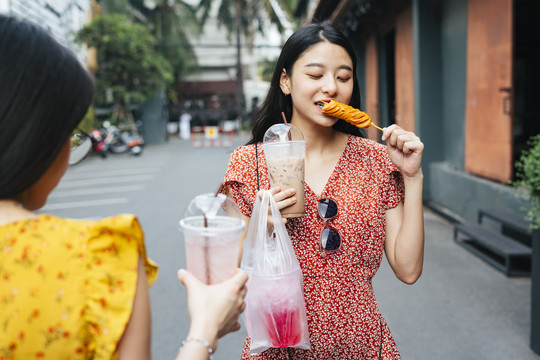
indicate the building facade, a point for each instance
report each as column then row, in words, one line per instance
column 61, row 18
column 461, row 74
column 213, row 93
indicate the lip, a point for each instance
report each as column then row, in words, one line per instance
column 320, row 104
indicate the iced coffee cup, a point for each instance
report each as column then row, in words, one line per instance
column 212, row 227
column 284, row 149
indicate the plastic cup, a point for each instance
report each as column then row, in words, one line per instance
column 285, row 162
column 212, row 241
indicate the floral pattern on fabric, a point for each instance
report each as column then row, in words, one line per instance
column 67, row 287
column 343, row 317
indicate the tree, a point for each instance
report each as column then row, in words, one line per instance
column 247, row 16
column 130, row 69
column 170, row 22
column 252, row 15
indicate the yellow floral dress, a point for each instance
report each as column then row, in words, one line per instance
column 67, row 287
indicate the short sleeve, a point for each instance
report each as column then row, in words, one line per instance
column 241, row 177
column 393, row 189
column 114, row 247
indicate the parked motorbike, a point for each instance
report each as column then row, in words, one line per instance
column 121, row 142
column 99, row 144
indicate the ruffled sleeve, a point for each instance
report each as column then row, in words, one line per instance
column 114, row 246
column 393, row 189
column 241, row 177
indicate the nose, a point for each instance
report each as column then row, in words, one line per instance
column 329, row 87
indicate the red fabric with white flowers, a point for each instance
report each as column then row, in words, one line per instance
column 343, row 317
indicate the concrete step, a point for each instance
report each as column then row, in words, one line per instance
column 504, row 253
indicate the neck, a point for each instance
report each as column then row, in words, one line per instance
column 12, row 210
column 320, row 138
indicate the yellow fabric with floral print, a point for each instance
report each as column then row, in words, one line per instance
column 67, row 287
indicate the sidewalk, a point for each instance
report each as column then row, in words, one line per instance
column 461, row 308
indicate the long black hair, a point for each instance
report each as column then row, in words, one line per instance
column 44, row 94
column 276, row 102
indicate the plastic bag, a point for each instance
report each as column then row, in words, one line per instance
column 275, row 313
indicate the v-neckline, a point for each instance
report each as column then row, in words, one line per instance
column 332, row 174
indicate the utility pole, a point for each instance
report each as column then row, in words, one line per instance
column 239, row 73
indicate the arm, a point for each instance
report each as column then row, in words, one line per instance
column 135, row 343
column 404, row 245
column 214, row 312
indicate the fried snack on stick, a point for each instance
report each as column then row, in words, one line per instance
column 347, row 113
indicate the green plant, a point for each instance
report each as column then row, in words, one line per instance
column 130, row 68
column 89, row 120
column 528, row 180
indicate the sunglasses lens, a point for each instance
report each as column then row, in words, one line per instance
column 327, row 208
column 330, row 239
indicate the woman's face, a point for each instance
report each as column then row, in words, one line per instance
column 324, row 71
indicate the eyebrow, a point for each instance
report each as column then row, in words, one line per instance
column 345, row 67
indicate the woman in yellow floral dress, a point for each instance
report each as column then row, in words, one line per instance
column 73, row 289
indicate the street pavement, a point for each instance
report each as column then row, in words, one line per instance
column 461, row 308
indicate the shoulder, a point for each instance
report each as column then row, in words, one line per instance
column 243, row 157
column 244, row 151
column 366, row 152
column 367, row 146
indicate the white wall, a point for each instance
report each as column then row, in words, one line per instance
column 61, row 18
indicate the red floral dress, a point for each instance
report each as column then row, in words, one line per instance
column 343, row 317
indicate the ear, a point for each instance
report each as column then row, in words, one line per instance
column 284, row 83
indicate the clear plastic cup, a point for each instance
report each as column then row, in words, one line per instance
column 284, row 148
column 212, row 227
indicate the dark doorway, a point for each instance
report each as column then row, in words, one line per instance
column 387, row 78
column 526, row 74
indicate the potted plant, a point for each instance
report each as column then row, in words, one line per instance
column 528, row 180
column 528, row 188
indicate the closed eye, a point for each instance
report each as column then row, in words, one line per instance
column 344, row 79
column 315, row 76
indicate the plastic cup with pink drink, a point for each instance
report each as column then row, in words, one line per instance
column 212, row 227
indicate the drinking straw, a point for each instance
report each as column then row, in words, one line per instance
column 285, row 121
column 208, row 276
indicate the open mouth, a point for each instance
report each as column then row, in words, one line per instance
column 321, row 103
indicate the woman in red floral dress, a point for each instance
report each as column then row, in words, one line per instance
column 365, row 180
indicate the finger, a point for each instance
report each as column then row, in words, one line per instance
column 236, row 327
column 404, row 138
column 282, row 195
column 183, row 276
column 240, row 278
column 387, row 131
column 273, row 190
column 413, row 147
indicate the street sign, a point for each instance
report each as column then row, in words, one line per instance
column 211, row 132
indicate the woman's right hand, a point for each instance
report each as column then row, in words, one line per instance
column 283, row 199
column 214, row 309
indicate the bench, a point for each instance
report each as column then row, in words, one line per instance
column 500, row 251
column 513, row 223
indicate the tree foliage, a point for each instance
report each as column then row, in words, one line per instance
column 129, row 66
column 528, row 183
column 253, row 14
column 172, row 23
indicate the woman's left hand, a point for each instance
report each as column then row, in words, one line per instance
column 405, row 150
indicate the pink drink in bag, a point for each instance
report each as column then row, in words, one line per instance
column 284, row 327
column 275, row 315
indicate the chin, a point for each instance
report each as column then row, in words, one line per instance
column 34, row 204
